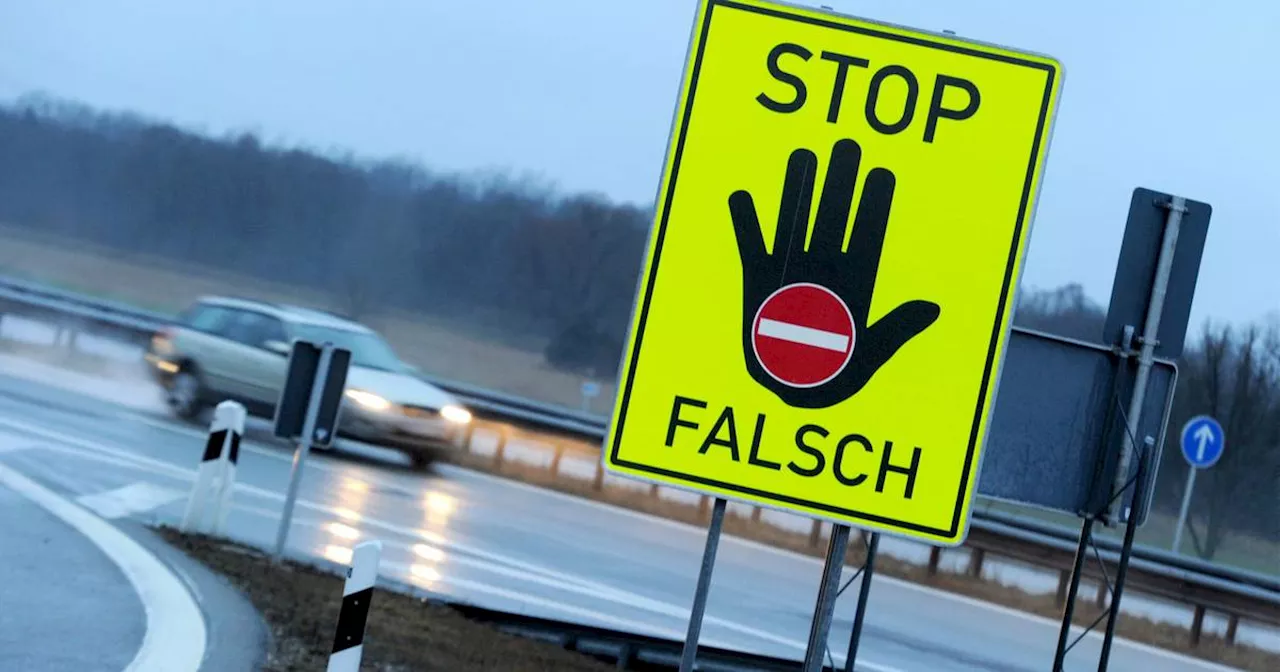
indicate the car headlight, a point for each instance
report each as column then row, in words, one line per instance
column 455, row 414
column 369, row 400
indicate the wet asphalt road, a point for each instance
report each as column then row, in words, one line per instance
column 46, row 563
column 504, row 545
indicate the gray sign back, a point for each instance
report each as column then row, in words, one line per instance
column 1059, row 422
column 1057, row 418
column 1136, row 270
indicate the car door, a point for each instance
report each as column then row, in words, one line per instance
column 202, row 339
column 256, row 372
column 274, row 369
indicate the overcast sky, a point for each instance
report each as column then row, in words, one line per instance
column 1167, row 94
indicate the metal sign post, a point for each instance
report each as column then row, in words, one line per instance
column 1152, row 293
column 590, row 390
column 308, row 412
column 690, row 650
column 1203, row 441
column 1156, row 274
column 864, row 591
column 1146, row 354
column 1184, row 509
column 304, row 447
column 1126, row 551
column 828, row 590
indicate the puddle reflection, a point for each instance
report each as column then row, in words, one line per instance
column 428, row 552
column 348, row 514
column 345, row 531
column 338, row 554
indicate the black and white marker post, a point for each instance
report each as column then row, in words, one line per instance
column 690, row 651
column 308, row 412
column 357, row 594
column 211, row 493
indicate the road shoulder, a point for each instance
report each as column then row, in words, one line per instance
column 237, row 638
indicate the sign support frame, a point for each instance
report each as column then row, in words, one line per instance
column 689, row 653
column 828, row 591
column 1108, row 510
column 864, row 592
column 1193, row 466
column 1184, row 509
column 1145, row 459
column 1177, row 206
column 1086, row 526
column 303, row 447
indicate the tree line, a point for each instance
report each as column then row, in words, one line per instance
column 374, row 234
column 1228, row 371
column 560, row 269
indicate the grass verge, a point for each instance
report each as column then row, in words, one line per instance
column 300, row 606
column 1163, row 635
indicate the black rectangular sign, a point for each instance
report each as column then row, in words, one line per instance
column 1136, row 270
column 295, row 398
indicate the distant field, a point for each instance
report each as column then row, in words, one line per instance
column 441, row 348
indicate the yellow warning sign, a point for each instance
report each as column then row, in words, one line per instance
column 829, row 282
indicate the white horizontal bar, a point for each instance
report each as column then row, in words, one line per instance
column 804, row 335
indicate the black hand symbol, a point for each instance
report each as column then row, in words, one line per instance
column 850, row 275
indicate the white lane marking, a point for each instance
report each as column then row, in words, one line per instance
column 175, row 636
column 798, row 333
column 319, row 460
column 608, row 593
column 636, row 515
column 570, row 584
column 632, row 626
column 697, row 531
column 130, row 499
column 639, row 626
column 602, row 591
column 547, row 577
column 523, row 571
column 131, row 462
column 628, row 513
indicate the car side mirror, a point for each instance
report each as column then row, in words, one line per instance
column 278, row 347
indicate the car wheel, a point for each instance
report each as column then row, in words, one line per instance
column 186, row 394
column 422, row 458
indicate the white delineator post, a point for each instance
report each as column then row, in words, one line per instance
column 357, row 593
column 211, row 493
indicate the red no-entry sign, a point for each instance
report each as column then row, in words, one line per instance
column 803, row 335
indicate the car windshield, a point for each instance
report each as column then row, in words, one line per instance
column 367, row 349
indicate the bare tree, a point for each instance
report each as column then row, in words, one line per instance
column 1234, row 375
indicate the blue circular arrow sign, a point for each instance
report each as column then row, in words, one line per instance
column 1203, row 441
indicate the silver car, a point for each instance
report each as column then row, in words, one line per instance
column 227, row 348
